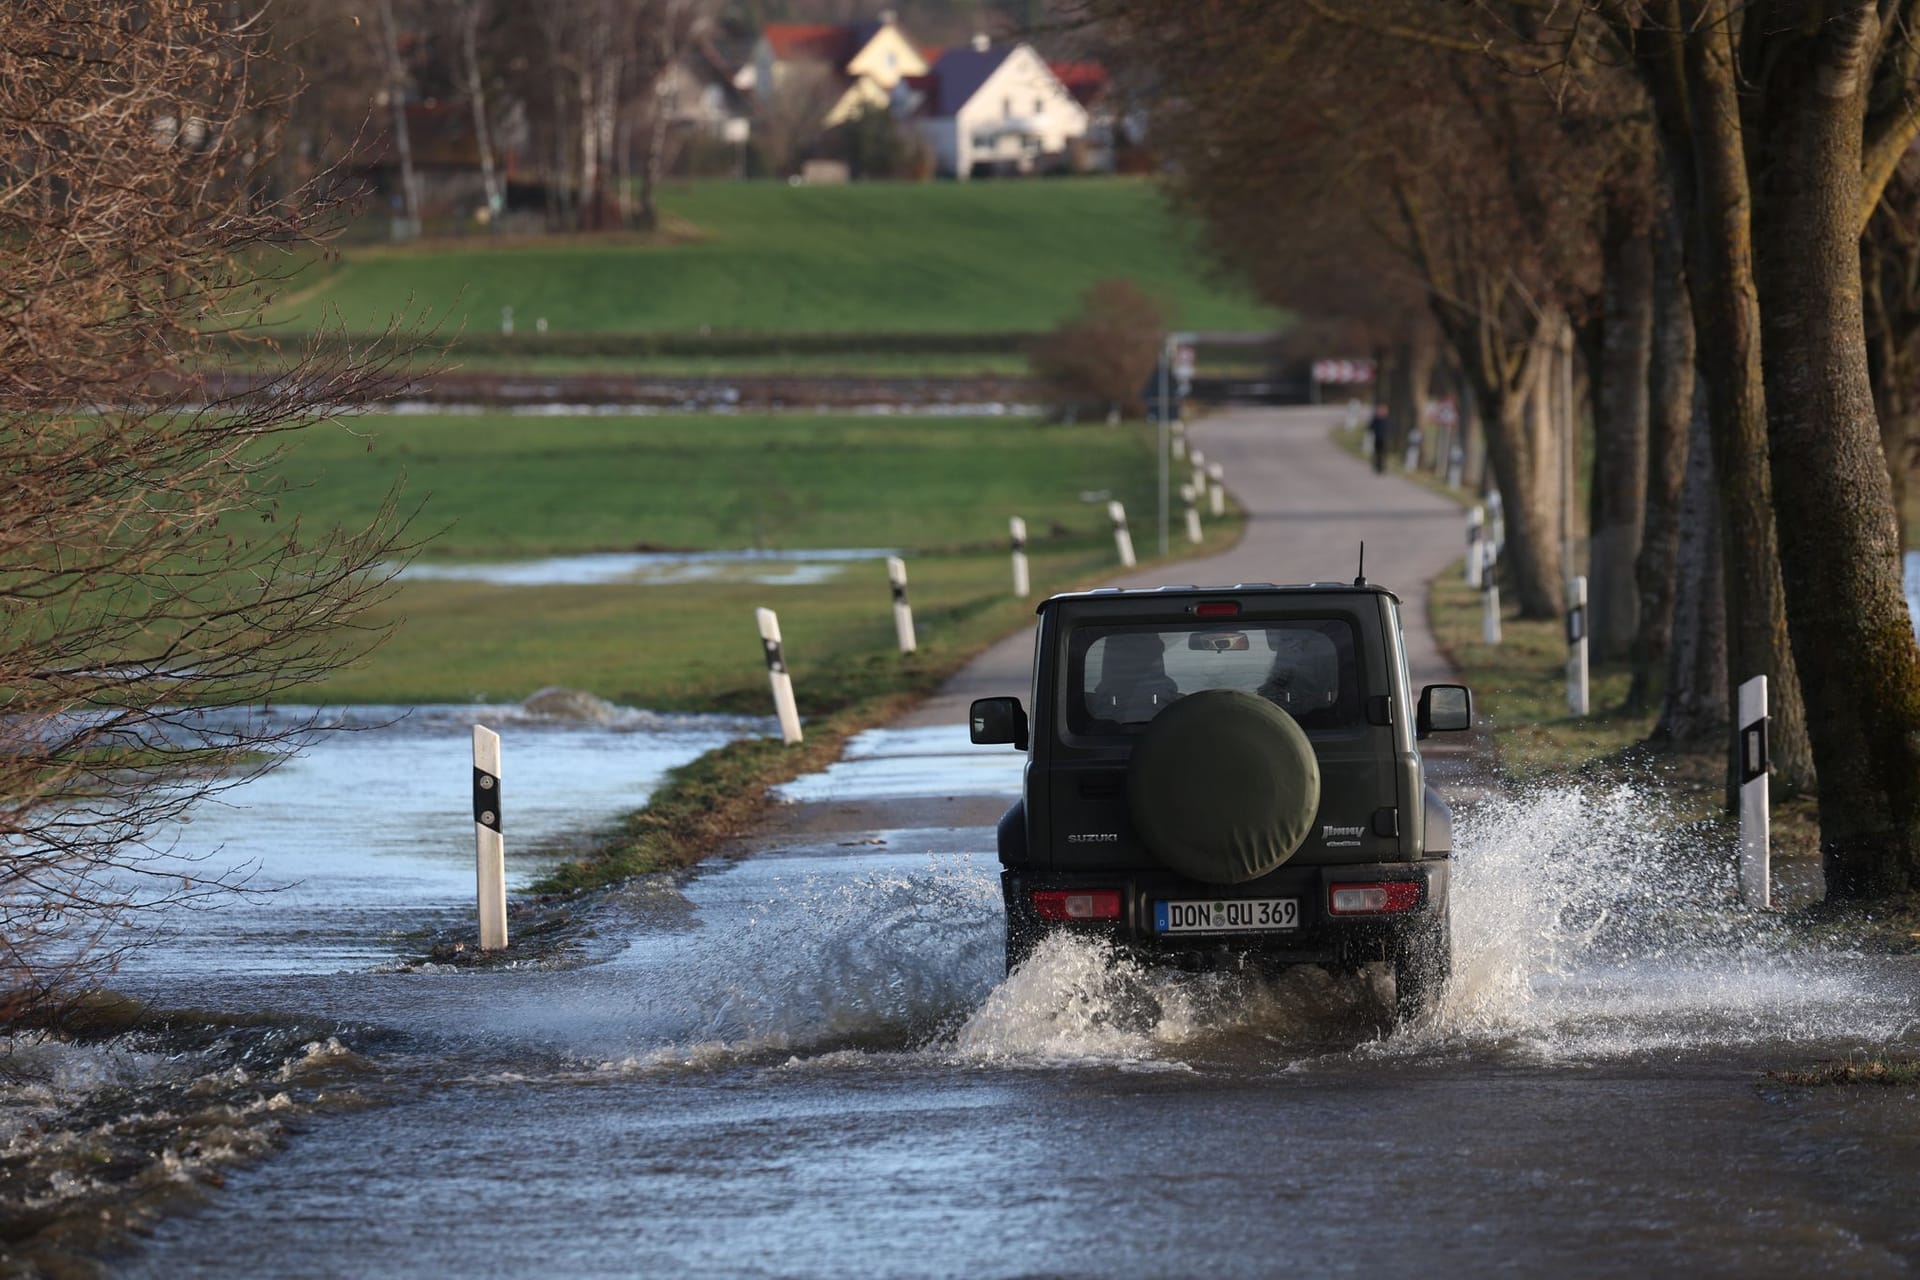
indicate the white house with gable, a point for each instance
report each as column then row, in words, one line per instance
column 994, row 110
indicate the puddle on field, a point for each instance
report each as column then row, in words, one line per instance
column 654, row 568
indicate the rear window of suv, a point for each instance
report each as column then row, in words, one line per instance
column 1120, row 677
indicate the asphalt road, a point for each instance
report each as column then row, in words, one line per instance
column 1309, row 506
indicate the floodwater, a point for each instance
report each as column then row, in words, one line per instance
column 807, row 1063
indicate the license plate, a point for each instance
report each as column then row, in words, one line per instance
column 1231, row 915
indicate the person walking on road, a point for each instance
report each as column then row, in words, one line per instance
column 1377, row 431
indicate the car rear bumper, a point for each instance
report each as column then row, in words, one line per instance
column 1321, row 936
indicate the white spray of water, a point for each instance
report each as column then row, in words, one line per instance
column 884, row 959
column 1588, row 922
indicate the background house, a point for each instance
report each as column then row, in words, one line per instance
column 986, row 110
column 860, row 62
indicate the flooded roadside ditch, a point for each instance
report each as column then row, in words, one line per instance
column 236, row 1023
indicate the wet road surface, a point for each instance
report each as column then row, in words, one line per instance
column 805, row 1061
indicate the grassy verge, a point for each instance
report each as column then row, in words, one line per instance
column 723, row 793
column 1520, row 687
column 1882, row 1070
column 710, row 800
column 1354, row 441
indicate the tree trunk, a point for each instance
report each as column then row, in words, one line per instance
column 1720, row 276
column 1619, row 494
column 589, row 146
column 1403, row 404
column 654, row 166
column 1840, row 549
column 1693, row 710
column 477, row 95
column 397, row 99
column 1890, row 363
column 1524, row 457
column 1670, row 394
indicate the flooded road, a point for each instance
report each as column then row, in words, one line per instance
column 806, row 1063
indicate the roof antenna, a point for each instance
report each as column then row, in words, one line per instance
column 1361, row 579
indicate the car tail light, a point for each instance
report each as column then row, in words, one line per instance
column 1077, row 904
column 1217, row 609
column 1383, row 899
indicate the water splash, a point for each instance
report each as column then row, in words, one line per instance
column 881, row 959
column 1589, row 922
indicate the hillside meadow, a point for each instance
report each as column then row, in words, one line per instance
column 767, row 257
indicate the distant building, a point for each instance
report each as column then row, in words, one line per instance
column 863, row 61
column 699, row 93
column 986, row 110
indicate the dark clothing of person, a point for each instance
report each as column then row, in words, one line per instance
column 1377, row 430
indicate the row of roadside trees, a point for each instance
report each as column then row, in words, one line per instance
column 1713, row 203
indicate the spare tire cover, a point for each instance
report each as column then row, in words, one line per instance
column 1223, row 786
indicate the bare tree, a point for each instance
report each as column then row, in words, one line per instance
column 467, row 17
column 668, row 28
column 396, row 93
column 1670, row 393
column 1451, row 174
column 791, row 116
column 147, row 578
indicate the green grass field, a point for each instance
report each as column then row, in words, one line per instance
column 933, row 257
column 940, row 490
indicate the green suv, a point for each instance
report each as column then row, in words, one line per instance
column 1228, row 775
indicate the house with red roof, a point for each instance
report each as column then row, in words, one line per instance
column 995, row 110
column 865, row 61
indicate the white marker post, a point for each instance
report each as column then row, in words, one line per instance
column 1122, row 540
column 1756, row 836
column 1216, row 489
column 902, row 611
column 1577, row 691
column 1187, row 497
column 1489, row 597
column 490, row 846
column 1199, row 471
column 1412, row 461
column 783, row 704
column 1476, row 529
column 1456, row 466
column 1021, row 586
column 1179, row 441
column 506, row 322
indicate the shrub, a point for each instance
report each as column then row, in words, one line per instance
column 1100, row 360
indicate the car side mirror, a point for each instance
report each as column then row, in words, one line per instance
column 1444, row 708
column 998, row 720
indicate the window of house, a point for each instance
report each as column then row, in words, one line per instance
column 1039, row 106
column 1006, row 108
